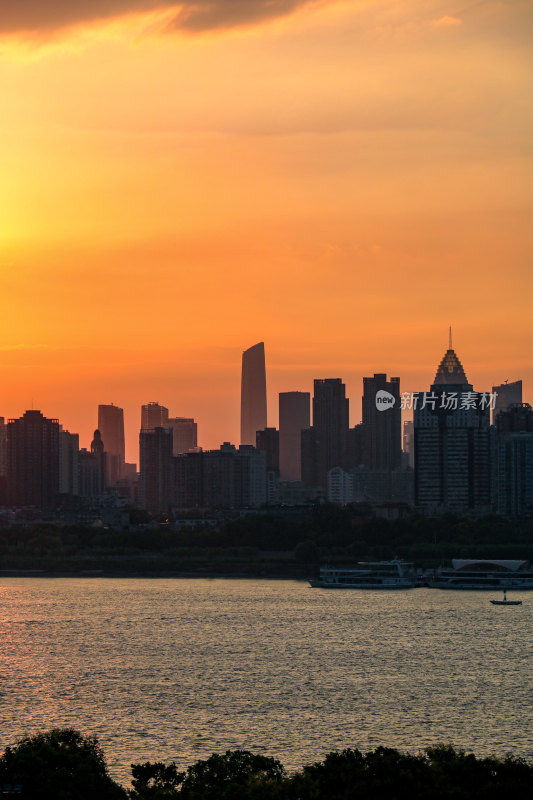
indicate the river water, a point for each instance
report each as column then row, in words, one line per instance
column 167, row 669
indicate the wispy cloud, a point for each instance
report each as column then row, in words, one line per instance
column 48, row 16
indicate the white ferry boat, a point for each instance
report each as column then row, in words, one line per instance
column 367, row 575
column 476, row 574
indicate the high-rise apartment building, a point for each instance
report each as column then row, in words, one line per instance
column 514, row 474
column 452, row 443
column 153, row 415
column 267, row 441
column 294, row 417
column 69, row 465
column 184, row 433
column 253, row 393
column 33, row 460
column 325, row 445
column 156, row 485
column 111, row 426
column 507, row 394
column 382, row 421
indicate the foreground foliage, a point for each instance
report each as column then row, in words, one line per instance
column 64, row 765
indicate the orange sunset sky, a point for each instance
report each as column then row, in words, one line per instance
column 341, row 180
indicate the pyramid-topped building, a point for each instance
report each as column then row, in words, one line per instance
column 450, row 371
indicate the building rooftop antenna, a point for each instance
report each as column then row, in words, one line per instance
column 450, row 336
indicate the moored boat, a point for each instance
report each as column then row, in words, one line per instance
column 367, row 575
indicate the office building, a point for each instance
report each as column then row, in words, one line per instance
column 253, row 393
column 294, row 417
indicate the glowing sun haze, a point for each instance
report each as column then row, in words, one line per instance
column 341, row 180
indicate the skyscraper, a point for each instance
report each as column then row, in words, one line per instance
column 184, row 433
column 253, row 393
column 153, row 416
column 452, row 443
column 294, row 417
column 33, row 460
column 111, row 426
column 382, row 423
column 325, row 445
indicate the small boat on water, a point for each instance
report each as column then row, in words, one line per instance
column 505, row 601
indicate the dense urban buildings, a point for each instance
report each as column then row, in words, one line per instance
column 253, row 393
column 453, row 459
column 294, row 417
column 452, row 443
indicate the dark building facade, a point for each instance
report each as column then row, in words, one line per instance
column 382, row 421
column 156, row 485
column 253, row 393
column 267, row 441
column 514, row 476
column 33, row 461
column 294, row 417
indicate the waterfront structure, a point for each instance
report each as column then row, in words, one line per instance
column 33, row 460
column 153, row 416
column 184, row 434
column 294, row 417
column 507, row 394
column 253, row 393
column 453, row 449
column 111, row 426
column 484, row 574
column 514, row 471
column 382, row 422
column 324, row 445
column 156, row 488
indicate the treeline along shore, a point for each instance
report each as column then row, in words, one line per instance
column 62, row 764
column 259, row 545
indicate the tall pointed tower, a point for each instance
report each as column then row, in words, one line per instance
column 253, row 393
column 452, row 443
